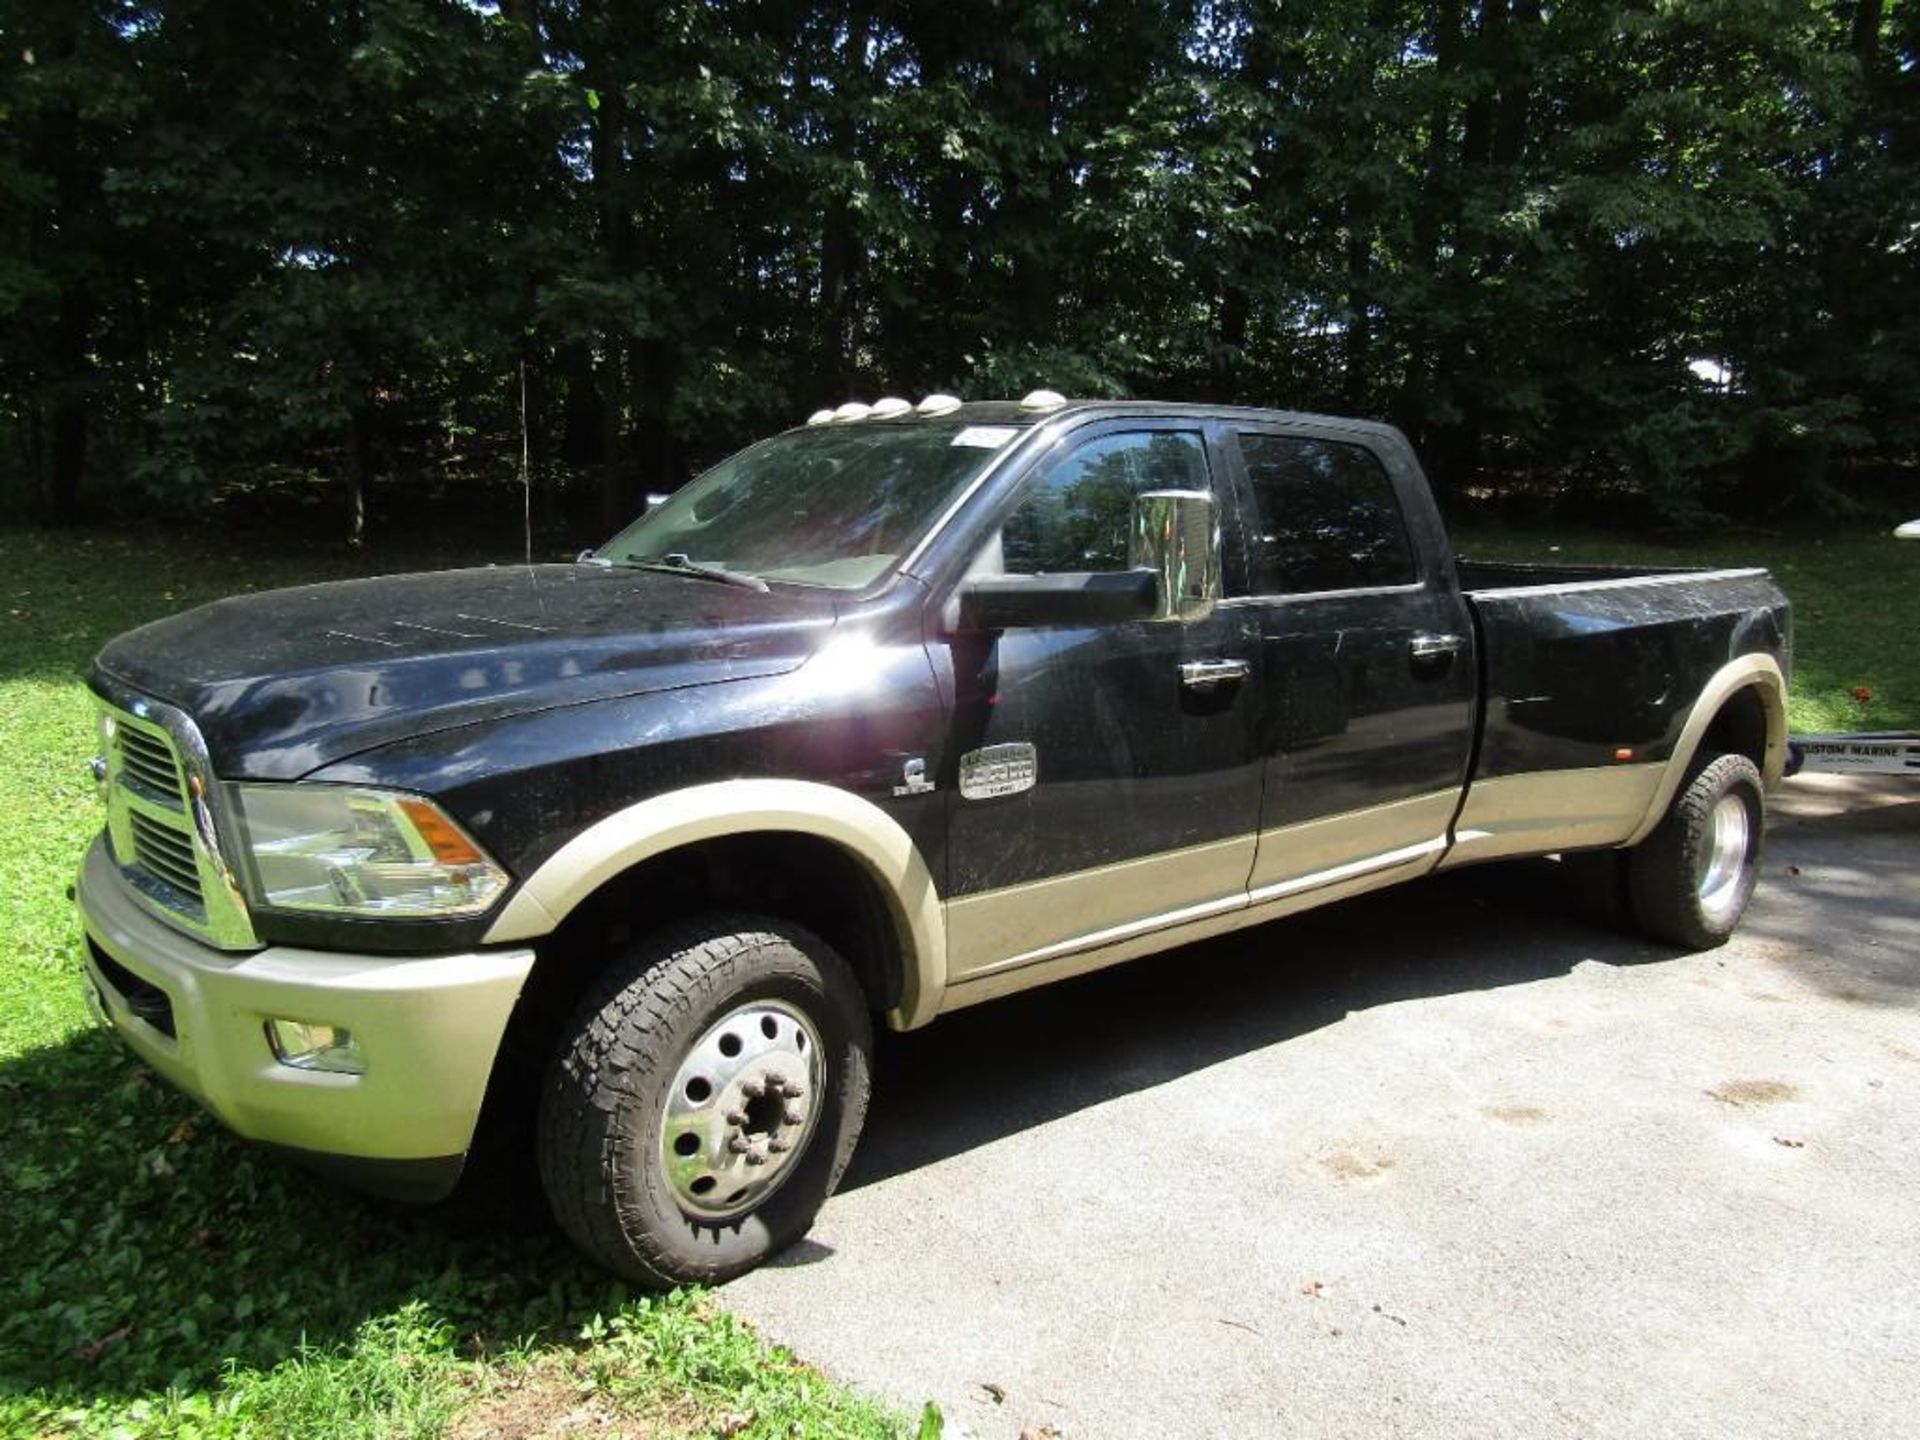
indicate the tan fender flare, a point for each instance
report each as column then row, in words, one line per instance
column 751, row 807
column 1759, row 672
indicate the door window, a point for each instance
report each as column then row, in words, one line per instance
column 1325, row 517
column 1076, row 516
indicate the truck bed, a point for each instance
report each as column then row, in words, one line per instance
column 1588, row 674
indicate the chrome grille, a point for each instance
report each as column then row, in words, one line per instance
column 165, row 817
column 147, row 760
column 166, row 853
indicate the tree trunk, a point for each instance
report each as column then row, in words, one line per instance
column 1355, row 386
column 1030, row 237
column 1867, row 15
column 616, row 485
column 617, row 498
column 1414, row 401
column 68, row 458
column 1515, row 111
column 69, row 384
column 580, row 409
column 655, row 376
column 841, row 252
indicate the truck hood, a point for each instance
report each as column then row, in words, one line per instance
column 284, row 682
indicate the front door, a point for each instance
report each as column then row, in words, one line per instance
column 1143, row 739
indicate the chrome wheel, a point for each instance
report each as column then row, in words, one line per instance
column 1724, row 861
column 741, row 1109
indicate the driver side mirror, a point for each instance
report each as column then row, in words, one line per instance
column 1176, row 536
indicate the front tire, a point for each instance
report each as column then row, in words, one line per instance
column 705, row 1100
column 1690, row 880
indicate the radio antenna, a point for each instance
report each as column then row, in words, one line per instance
column 526, row 468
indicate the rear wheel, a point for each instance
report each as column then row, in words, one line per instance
column 1690, row 880
column 705, row 1100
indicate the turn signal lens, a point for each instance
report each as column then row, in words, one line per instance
column 449, row 846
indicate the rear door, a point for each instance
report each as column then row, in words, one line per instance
column 1366, row 658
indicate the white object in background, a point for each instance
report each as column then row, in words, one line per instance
column 939, row 404
column 852, row 410
column 1886, row 752
column 1042, row 400
column 1908, row 531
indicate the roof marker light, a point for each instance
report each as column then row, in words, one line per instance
column 939, row 404
column 852, row 410
column 889, row 407
column 1042, row 400
column 819, row 417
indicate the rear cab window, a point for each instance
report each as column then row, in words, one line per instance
column 1325, row 517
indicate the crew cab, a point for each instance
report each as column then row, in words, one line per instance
column 904, row 709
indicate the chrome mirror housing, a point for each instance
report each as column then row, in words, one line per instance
column 1176, row 535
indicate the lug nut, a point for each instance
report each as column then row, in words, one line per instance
column 793, row 1092
column 736, row 1117
column 779, row 1146
column 738, row 1145
column 753, row 1089
column 757, row 1155
column 795, row 1115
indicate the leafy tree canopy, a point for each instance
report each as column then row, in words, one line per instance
column 1663, row 249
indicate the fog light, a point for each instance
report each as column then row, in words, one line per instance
column 316, row 1047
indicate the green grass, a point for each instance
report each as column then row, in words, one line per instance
column 160, row 1278
column 1856, row 644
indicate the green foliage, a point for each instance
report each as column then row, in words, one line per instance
column 679, row 1342
column 334, row 237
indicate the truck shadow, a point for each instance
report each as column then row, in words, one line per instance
column 981, row 1074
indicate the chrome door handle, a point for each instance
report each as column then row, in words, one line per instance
column 1207, row 674
column 1434, row 647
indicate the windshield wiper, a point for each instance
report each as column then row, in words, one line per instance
column 676, row 563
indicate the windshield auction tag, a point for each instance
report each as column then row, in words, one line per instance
column 986, row 437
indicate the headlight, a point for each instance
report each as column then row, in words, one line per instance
column 370, row 853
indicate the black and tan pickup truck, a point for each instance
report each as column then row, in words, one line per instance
column 907, row 708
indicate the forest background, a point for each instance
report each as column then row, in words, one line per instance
column 1653, row 261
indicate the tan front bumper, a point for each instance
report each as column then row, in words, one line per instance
column 428, row 1028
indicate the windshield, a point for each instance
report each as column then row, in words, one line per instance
column 833, row 505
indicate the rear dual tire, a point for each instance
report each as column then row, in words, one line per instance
column 1690, row 880
column 1687, row 883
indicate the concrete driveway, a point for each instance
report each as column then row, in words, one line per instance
column 1444, row 1161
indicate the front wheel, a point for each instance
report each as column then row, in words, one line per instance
column 705, row 1100
column 1690, row 880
